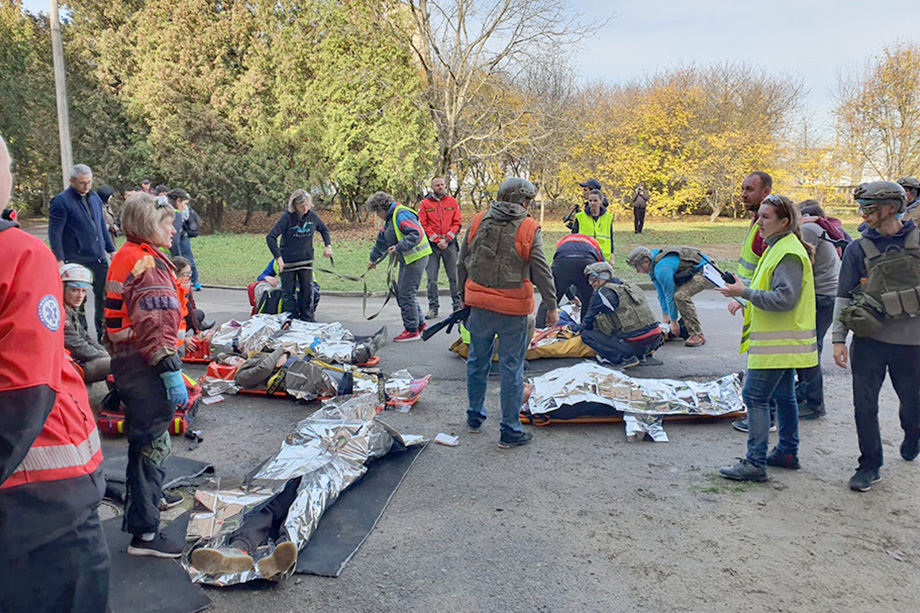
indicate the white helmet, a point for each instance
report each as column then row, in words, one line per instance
column 76, row 275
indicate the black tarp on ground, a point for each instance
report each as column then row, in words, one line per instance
column 347, row 523
column 179, row 471
column 152, row 585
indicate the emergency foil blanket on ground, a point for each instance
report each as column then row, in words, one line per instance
column 331, row 342
column 642, row 398
column 329, row 450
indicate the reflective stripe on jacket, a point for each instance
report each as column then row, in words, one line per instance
column 747, row 263
column 508, row 301
column 600, row 229
column 419, row 251
column 781, row 339
column 37, row 381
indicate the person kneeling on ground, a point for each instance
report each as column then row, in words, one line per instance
column 676, row 273
column 619, row 325
column 90, row 356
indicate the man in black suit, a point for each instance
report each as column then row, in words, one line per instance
column 78, row 234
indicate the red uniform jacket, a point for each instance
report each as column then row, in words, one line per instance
column 440, row 217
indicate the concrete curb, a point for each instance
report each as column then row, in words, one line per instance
column 379, row 294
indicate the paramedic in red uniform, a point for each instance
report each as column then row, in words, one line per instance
column 52, row 549
column 142, row 321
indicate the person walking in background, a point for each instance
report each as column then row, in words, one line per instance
column 77, row 233
column 142, row 322
column 52, row 548
column 597, row 222
column 640, row 198
column 403, row 235
column 187, row 226
column 778, row 336
column 297, row 228
column 501, row 259
column 877, row 298
column 439, row 215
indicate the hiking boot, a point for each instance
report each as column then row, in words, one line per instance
column 279, row 562
column 811, row 411
column 223, row 561
column 628, row 362
column 159, row 547
column 910, row 447
column 169, row 500
column 207, row 324
column 431, row 314
column 744, row 470
column 697, row 340
column 783, row 460
column 361, row 354
column 864, row 478
column 514, row 439
column 742, row 425
column 406, row 336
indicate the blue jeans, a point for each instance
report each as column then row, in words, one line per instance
column 484, row 325
column 760, row 387
column 185, row 250
column 810, row 388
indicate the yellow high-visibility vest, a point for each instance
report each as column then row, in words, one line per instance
column 599, row 230
column 781, row 339
column 747, row 263
column 419, row 251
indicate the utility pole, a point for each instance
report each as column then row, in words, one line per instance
column 60, row 89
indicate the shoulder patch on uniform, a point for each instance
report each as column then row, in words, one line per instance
column 49, row 312
column 145, row 263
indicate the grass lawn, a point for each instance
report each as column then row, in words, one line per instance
column 237, row 259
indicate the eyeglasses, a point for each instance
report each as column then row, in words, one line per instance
column 867, row 208
column 185, row 275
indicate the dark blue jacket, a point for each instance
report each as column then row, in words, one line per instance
column 75, row 233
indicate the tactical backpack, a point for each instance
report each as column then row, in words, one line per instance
column 891, row 289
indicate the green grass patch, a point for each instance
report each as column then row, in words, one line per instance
column 713, row 483
column 237, row 259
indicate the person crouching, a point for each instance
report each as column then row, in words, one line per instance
column 619, row 324
column 89, row 355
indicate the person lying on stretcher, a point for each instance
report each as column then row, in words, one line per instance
column 618, row 325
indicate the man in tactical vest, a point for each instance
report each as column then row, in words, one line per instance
column 878, row 298
column 912, row 189
column 619, row 325
column 597, row 222
column 501, row 259
column 676, row 273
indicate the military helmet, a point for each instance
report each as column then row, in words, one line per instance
column 910, row 182
column 638, row 255
column 602, row 270
column 77, row 275
column 516, row 190
column 881, row 192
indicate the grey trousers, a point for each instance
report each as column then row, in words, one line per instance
column 449, row 256
column 407, row 282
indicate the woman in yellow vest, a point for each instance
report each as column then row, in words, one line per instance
column 597, row 222
column 403, row 235
column 778, row 336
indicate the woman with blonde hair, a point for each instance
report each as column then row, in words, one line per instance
column 142, row 315
column 778, row 335
column 297, row 226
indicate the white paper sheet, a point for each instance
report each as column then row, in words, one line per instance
column 710, row 273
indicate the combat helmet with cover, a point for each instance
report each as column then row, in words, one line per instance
column 891, row 289
column 516, row 190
